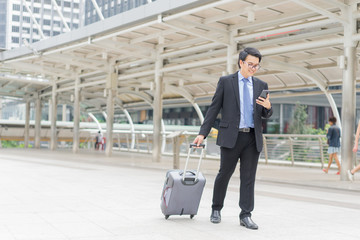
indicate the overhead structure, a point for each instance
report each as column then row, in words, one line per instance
column 152, row 50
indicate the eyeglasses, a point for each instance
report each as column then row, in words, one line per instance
column 253, row 66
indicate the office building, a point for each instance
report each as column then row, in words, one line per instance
column 3, row 8
column 110, row 8
column 29, row 21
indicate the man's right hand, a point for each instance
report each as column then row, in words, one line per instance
column 355, row 148
column 198, row 140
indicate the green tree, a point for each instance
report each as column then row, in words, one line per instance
column 298, row 123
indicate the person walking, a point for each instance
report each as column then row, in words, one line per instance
column 350, row 173
column 333, row 136
column 240, row 132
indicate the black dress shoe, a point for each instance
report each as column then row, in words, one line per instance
column 248, row 223
column 215, row 216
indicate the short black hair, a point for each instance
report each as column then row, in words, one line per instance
column 332, row 119
column 249, row 51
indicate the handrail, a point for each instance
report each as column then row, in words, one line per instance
column 288, row 149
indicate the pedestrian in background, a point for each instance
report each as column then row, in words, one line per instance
column 333, row 136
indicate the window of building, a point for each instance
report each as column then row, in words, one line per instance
column 16, row 18
column 16, row 7
column 15, row 29
column 15, row 40
column 36, row 10
column 47, row 22
column 56, row 23
column 26, row 19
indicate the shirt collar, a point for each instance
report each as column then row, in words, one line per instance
column 240, row 76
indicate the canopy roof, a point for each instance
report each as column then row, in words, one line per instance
column 196, row 41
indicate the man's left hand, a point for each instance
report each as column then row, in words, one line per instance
column 265, row 102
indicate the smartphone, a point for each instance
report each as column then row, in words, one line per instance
column 264, row 93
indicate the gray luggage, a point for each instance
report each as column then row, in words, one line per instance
column 181, row 193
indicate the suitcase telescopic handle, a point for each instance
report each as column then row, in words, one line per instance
column 192, row 145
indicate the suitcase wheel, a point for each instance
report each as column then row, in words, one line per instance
column 192, row 216
column 167, row 216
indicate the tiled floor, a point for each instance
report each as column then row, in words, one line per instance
column 59, row 195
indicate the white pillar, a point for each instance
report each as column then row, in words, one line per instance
column 76, row 133
column 231, row 50
column 348, row 92
column 38, row 123
column 27, row 123
column 63, row 115
column 157, row 111
column 281, row 118
column 111, row 87
column 53, row 118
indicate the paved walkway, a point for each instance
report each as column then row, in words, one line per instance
column 86, row 196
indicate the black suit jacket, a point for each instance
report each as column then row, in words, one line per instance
column 226, row 99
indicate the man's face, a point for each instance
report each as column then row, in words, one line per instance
column 249, row 66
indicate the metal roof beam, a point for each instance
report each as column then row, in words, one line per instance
column 321, row 11
column 137, row 52
column 147, row 37
column 76, row 61
column 37, row 69
column 224, row 40
column 257, row 6
column 281, row 30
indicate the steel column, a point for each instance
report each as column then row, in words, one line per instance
column 231, row 51
column 53, row 118
column 76, row 133
column 27, row 123
column 158, row 93
column 38, row 123
column 111, row 87
column 348, row 93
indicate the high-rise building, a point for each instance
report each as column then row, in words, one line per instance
column 110, row 8
column 28, row 21
column 3, row 10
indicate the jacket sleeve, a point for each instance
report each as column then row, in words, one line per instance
column 266, row 113
column 213, row 110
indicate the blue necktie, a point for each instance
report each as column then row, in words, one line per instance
column 248, row 110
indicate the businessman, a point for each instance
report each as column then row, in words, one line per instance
column 237, row 96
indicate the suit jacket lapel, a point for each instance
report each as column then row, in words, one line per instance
column 235, row 82
column 256, row 90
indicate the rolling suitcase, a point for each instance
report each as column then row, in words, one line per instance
column 181, row 193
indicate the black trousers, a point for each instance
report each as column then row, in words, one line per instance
column 245, row 149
